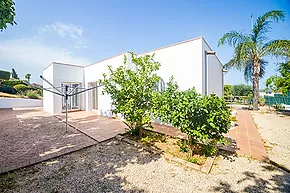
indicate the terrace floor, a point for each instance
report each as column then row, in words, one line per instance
column 30, row 135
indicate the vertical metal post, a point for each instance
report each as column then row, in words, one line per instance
column 66, row 98
column 205, row 74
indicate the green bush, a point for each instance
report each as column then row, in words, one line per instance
column 4, row 75
column 203, row 118
column 39, row 92
column 132, row 91
column 32, row 94
column 7, row 89
column 12, row 82
column 22, row 88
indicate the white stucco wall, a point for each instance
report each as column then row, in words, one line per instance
column 183, row 61
column 215, row 74
column 95, row 72
column 71, row 74
column 19, row 102
column 58, row 73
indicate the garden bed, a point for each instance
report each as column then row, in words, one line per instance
column 172, row 148
column 169, row 145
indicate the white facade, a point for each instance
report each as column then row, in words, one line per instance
column 187, row 61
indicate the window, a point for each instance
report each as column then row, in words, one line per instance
column 73, row 101
column 160, row 86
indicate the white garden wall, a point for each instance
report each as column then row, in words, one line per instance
column 19, row 102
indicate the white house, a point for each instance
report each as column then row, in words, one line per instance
column 191, row 62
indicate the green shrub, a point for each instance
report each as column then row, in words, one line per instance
column 203, row 118
column 12, row 82
column 183, row 145
column 22, row 88
column 32, row 94
column 39, row 92
column 7, row 89
column 4, row 75
column 132, row 91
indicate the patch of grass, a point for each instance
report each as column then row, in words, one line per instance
column 233, row 118
column 8, row 181
column 183, row 145
column 195, row 160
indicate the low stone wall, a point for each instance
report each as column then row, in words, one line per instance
column 19, row 102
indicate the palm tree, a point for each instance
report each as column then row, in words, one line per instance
column 27, row 76
column 251, row 49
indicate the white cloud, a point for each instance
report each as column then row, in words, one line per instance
column 66, row 31
column 32, row 56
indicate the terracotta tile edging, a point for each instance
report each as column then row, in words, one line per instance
column 205, row 168
column 34, row 161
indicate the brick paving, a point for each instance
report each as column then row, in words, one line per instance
column 29, row 136
column 98, row 127
column 246, row 137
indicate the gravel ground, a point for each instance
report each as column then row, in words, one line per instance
column 275, row 131
column 115, row 166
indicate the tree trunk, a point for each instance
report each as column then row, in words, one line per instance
column 256, row 77
column 190, row 144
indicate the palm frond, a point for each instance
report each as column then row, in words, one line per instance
column 242, row 54
column 233, row 38
column 248, row 72
column 277, row 48
column 263, row 22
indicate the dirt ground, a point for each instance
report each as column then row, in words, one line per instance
column 115, row 166
column 275, row 131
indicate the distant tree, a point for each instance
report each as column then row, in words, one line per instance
column 4, row 75
column 27, row 77
column 271, row 84
column 251, row 49
column 7, row 15
column 227, row 90
column 241, row 90
column 282, row 82
column 14, row 74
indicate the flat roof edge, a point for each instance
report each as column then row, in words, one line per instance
column 171, row 45
column 65, row 64
column 107, row 58
column 212, row 50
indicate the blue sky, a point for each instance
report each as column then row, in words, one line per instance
column 83, row 32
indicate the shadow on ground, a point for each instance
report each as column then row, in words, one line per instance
column 276, row 183
column 94, row 169
column 30, row 135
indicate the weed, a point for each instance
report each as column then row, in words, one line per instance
column 183, row 145
column 8, row 181
column 194, row 160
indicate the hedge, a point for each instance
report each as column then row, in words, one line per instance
column 32, row 94
column 7, row 89
column 12, row 82
column 21, row 88
column 4, row 75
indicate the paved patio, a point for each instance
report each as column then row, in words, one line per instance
column 97, row 127
column 246, row 137
column 29, row 135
